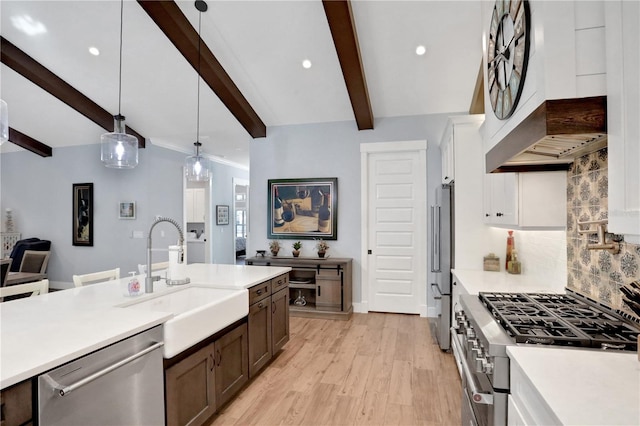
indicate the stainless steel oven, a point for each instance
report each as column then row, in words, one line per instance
column 484, row 364
column 490, row 322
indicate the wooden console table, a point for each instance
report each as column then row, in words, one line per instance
column 323, row 283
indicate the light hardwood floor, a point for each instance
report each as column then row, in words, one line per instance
column 376, row 369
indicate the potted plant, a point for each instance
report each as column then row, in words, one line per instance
column 274, row 246
column 296, row 248
column 322, row 247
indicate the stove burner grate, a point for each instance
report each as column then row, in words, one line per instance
column 558, row 319
column 544, row 330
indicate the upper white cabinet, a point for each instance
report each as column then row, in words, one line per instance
column 447, row 154
column 623, row 109
column 463, row 138
column 501, row 199
column 195, row 204
column 457, row 146
column 526, row 200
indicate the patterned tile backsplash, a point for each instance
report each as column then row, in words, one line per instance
column 595, row 273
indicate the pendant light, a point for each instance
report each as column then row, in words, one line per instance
column 119, row 150
column 196, row 168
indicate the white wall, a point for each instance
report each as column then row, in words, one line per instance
column 39, row 190
column 333, row 150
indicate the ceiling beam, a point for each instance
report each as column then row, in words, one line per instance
column 345, row 38
column 29, row 143
column 35, row 72
column 170, row 19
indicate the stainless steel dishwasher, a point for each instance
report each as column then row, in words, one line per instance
column 121, row 385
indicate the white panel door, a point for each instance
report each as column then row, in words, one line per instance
column 397, row 234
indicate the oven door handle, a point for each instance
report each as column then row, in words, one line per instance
column 477, row 397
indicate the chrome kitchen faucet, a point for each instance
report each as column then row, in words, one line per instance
column 148, row 281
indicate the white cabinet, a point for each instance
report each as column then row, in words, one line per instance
column 195, row 204
column 464, row 150
column 447, row 152
column 501, row 198
column 526, row 406
column 526, row 200
column 622, row 20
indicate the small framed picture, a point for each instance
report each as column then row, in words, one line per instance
column 222, row 215
column 127, row 210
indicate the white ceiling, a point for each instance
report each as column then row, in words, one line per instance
column 261, row 45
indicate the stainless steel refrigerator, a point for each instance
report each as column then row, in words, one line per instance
column 442, row 260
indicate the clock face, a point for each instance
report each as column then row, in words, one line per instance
column 507, row 55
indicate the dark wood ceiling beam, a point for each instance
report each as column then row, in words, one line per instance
column 35, row 72
column 29, row 143
column 170, row 19
column 345, row 39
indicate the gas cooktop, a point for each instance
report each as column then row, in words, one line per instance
column 559, row 319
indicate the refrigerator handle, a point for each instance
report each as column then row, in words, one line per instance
column 435, row 239
column 435, row 289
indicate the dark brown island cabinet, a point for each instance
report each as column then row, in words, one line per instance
column 16, row 404
column 200, row 380
column 318, row 287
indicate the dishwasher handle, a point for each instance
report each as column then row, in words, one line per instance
column 65, row 390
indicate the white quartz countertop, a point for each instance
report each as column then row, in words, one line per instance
column 475, row 281
column 40, row 333
column 583, row 387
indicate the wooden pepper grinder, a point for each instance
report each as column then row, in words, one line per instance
column 510, row 246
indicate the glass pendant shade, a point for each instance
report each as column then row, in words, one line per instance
column 119, row 150
column 196, row 167
column 4, row 122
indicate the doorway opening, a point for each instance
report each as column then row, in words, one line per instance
column 240, row 219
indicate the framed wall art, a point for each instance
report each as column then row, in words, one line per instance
column 83, row 214
column 127, row 210
column 303, row 208
column 222, row 215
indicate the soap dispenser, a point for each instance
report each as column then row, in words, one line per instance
column 132, row 287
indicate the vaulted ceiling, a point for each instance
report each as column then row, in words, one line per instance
column 259, row 46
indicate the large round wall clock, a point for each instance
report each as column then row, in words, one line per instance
column 507, row 55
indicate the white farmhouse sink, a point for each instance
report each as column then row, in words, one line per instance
column 198, row 313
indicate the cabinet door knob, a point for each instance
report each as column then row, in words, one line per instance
column 487, row 215
column 259, row 292
column 499, row 214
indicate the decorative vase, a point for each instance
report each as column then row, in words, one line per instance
column 296, row 253
column 274, row 253
column 321, row 253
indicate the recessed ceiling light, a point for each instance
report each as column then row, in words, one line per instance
column 421, row 50
column 28, row 25
column 306, row 64
column 94, row 51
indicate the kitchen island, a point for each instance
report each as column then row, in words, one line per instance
column 43, row 332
